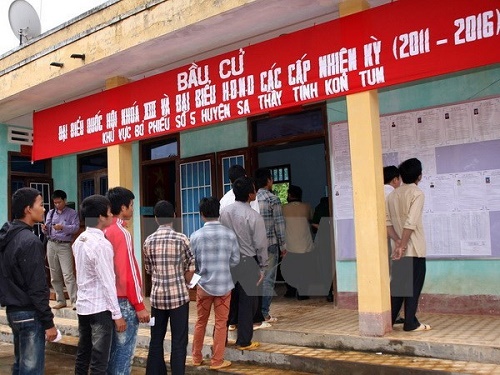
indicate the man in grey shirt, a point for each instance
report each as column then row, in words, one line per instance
column 250, row 230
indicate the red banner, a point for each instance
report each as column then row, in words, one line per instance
column 395, row 43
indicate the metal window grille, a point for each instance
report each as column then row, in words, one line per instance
column 226, row 163
column 196, row 183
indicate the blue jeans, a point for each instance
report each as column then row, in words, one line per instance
column 123, row 345
column 95, row 332
column 29, row 342
column 179, row 327
column 269, row 279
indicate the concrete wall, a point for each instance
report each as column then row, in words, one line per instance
column 65, row 176
column 228, row 136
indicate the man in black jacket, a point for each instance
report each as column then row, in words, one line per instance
column 23, row 286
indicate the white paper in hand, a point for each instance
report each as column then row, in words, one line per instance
column 151, row 322
column 194, row 280
column 58, row 337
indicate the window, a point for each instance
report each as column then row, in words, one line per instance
column 281, row 173
column 295, row 124
column 166, row 148
column 224, row 160
column 226, row 163
column 196, row 183
column 93, row 162
column 19, row 163
column 281, row 181
column 45, row 189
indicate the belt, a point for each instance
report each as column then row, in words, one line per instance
column 58, row 241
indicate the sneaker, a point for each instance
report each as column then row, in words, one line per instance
column 262, row 325
column 252, row 346
column 222, row 365
column 59, row 305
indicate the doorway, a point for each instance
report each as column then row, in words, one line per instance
column 159, row 165
column 296, row 144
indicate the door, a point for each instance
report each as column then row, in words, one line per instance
column 92, row 174
column 158, row 181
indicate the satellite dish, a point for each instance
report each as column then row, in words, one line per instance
column 24, row 20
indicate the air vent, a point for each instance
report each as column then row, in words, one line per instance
column 21, row 136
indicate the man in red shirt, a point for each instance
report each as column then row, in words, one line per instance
column 128, row 281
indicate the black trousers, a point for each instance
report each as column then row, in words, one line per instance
column 407, row 281
column 179, row 327
column 244, row 299
column 94, row 344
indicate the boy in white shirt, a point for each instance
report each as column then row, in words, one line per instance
column 97, row 301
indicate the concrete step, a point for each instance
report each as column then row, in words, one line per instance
column 416, row 345
column 273, row 356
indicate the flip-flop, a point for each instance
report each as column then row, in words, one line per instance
column 262, row 325
column 271, row 319
column 422, row 327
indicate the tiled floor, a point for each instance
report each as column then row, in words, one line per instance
column 316, row 315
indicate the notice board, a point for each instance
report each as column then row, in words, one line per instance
column 459, row 147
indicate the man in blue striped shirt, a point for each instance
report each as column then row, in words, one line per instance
column 216, row 251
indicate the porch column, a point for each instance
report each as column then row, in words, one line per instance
column 369, row 208
column 119, row 156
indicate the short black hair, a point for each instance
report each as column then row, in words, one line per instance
column 261, row 177
column 410, row 170
column 22, row 198
column 235, row 171
column 242, row 188
column 164, row 212
column 295, row 192
column 209, row 207
column 119, row 196
column 390, row 173
column 92, row 207
column 59, row 194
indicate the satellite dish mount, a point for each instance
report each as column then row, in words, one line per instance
column 24, row 21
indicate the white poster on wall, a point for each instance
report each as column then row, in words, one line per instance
column 486, row 119
column 459, row 147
